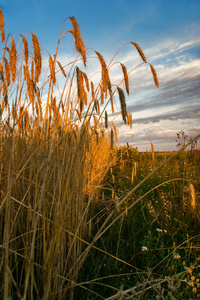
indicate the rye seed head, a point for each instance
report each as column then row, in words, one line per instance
column 37, row 56
column 139, row 51
column 25, row 48
column 123, row 103
column 62, row 70
column 2, row 26
column 105, row 76
column 80, row 47
column 52, row 69
column 154, row 76
column 124, row 70
column 13, row 59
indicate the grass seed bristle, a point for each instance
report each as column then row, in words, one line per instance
column 106, row 119
column 97, row 107
column 152, row 151
column 92, row 90
column 32, row 70
column 95, row 121
column 5, row 91
column 52, row 69
column 29, row 82
column 102, row 95
column 86, row 81
column 112, row 138
column 25, row 48
column 37, row 56
column 2, row 26
column 1, row 73
column 192, row 195
column 13, row 59
column 80, row 47
column 123, row 104
column 154, row 76
column 124, row 70
column 24, row 71
column 81, row 90
column 111, row 97
column 115, row 132
column 105, row 75
column 129, row 119
column 62, row 70
column 112, row 103
column 139, row 51
column 39, row 102
column 7, row 71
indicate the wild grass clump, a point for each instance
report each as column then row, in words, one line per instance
column 79, row 217
column 55, row 154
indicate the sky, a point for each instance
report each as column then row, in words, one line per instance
column 166, row 31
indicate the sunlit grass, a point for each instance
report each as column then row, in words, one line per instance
column 76, row 211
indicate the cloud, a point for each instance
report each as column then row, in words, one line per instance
column 189, row 112
column 179, row 91
column 167, row 47
column 162, row 138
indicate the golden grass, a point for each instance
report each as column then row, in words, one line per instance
column 125, row 77
column 2, row 26
column 81, row 90
column 139, row 51
column 60, row 66
column 115, row 132
column 129, row 119
column 37, row 57
column 105, row 75
column 192, row 196
column 92, row 90
column 52, row 69
column 55, row 154
column 13, row 59
column 80, row 47
column 152, row 151
column 7, row 71
column 154, row 76
column 25, row 48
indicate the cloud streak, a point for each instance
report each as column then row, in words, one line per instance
column 159, row 115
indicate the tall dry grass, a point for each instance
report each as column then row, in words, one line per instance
column 55, row 152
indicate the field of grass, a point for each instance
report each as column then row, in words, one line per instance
column 81, row 218
column 152, row 246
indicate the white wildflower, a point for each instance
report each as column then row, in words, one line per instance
column 177, row 256
column 144, row 248
column 158, row 230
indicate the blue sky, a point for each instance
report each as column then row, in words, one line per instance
column 168, row 33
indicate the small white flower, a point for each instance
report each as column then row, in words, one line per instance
column 177, row 256
column 158, row 230
column 165, row 231
column 144, row 248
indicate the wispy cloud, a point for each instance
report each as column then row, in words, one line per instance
column 158, row 115
column 168, row 47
